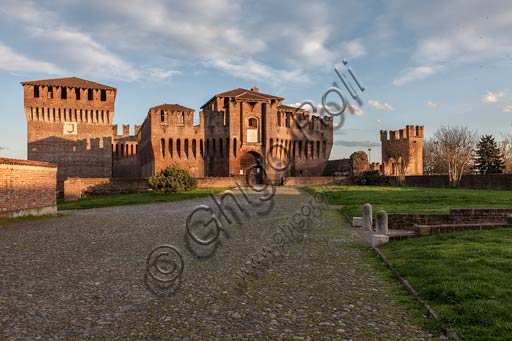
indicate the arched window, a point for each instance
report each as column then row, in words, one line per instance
column 178, row 147
column 300, row 150
column 221, row 149
column 207, row 147
column 253, row 123
column 132, row 149
column 170, row 148
column 162, row 116
column 186, row 148
column 201, row 148
column 214, row 150
column 194, row 147
column 318, row 149
column 278, row 119
column 234, row 147
column 306, row 151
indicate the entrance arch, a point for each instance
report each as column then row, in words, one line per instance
column 251, row 163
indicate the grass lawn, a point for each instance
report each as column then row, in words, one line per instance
column 6, row 221
column 465, row 276
column 412, row 199
column 133, row 199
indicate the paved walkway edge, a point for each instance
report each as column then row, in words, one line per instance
column 450, row 333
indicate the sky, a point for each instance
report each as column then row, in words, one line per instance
column 430, row 63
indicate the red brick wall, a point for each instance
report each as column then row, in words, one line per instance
column 75, row 134
column 27, row 187
column 315, row 180
column 405, row 221
column 487, row 181
column 75, row 188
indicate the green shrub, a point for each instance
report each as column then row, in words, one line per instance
column 172, row 180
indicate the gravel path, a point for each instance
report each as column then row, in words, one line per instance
column 82, row 276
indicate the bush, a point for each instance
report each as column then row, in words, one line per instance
column 172, row 180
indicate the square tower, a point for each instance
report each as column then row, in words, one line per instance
column 70, row 124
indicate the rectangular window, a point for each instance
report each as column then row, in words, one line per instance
column 77, row 93
column 36, row 91
column 89, row 95
column 63, row 93
column 50, row 92
column 103, row 95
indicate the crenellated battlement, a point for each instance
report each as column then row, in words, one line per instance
column 402, row 134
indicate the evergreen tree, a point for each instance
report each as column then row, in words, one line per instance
column 488, row 156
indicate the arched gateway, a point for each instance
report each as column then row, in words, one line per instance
column 251, row 163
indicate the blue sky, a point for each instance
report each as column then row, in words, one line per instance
column 432, row 63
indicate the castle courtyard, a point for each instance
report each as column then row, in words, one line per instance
column 81, row 276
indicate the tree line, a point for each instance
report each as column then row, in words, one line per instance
column 458, row 150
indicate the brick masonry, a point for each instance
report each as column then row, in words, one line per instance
column 236, row 129
column 457, row 216
column 486, row 181
column 70, row 124
column 27, row 188
column 405, row 143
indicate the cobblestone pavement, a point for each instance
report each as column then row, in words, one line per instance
column 81, row 276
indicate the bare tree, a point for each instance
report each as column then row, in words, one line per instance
column 456, row 145
column 399, row 163
column 506, row 150
column 432, row 160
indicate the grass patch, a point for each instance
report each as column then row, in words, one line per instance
column 412, row 199
column 465, row 276
column 7, row 221
column 134, row 199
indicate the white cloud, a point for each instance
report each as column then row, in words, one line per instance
column 461, row 32
column 507, row 108
column 161, row 74
column 492, row 97
column 87, row 56
column 432, row 105
column 353, row 49
column 13, row 61
column 253, row 70
column 415, row 73
column 380, row 106
column 333, row 108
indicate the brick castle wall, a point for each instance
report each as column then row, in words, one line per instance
column 27, row 188
column 69, row 124
column 485, row 181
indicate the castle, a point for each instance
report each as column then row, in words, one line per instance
column 70, row 124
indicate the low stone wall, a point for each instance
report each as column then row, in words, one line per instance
column 27, row 188
column 315, row 180
column 218, row 182
column 487, row 181
column 75, row 188
column 457, row 216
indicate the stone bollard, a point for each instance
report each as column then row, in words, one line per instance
column 367, row 217
column 381, row 223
